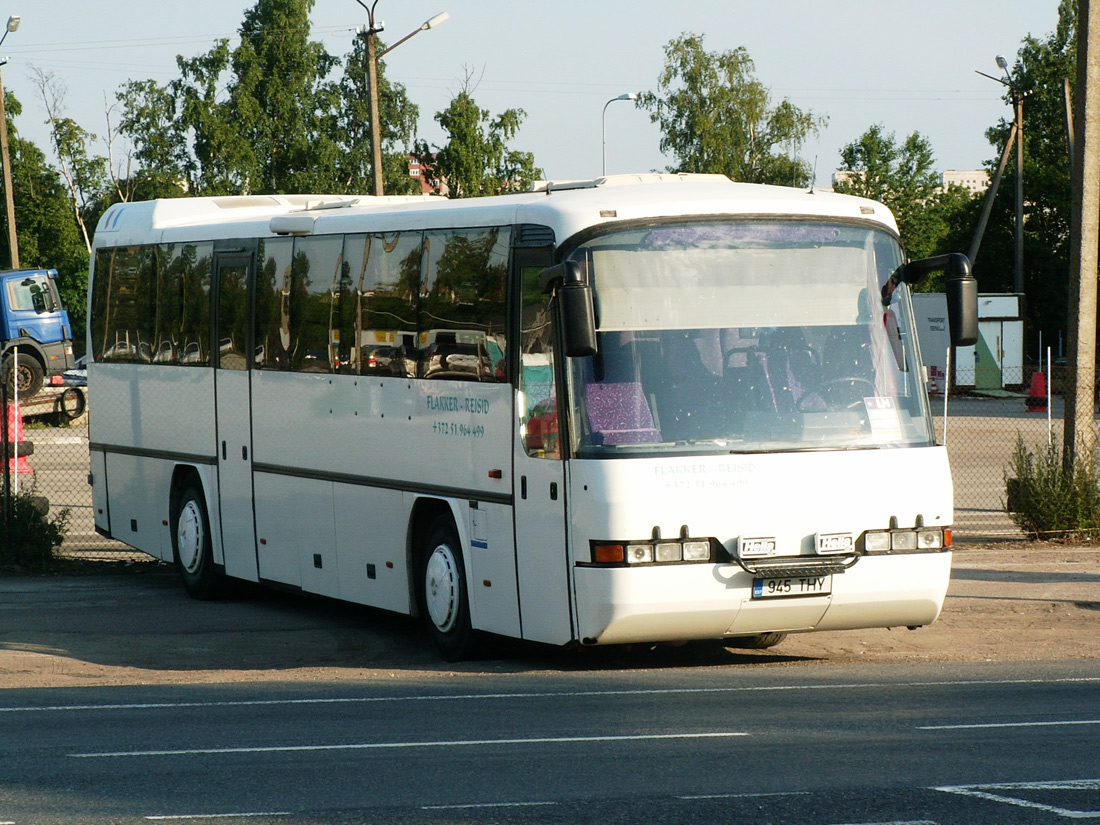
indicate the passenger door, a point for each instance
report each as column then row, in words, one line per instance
column 542, row 553
column 234, row 271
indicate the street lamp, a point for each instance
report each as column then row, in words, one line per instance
column 624, row 96
column 370, row 34
column 1018, row 132
column 5, row 157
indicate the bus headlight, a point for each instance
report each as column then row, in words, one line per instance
column 877, row 541
column 655, row 551
column 919, row 540
column 639, row 553
column 696, row 551
column 903, row 540
column 929, row 539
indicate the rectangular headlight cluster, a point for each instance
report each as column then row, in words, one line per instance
column 920, row 540
column 651, row 552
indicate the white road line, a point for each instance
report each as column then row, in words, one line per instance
column 740, row 795
column 394, row 745
column 473, row 697
column 485, row 805
column 987, row 792
column 1012, row 725
column 217, row 816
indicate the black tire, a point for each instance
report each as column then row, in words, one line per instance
column 758, row 641
column 30, row 376
column 443, row 596
column 191, row 549
column 71, row 404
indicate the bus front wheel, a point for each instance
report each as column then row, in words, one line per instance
column 443, row 590
column 191, row 548
column 758, row 641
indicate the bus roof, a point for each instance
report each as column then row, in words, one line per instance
column 567, row 207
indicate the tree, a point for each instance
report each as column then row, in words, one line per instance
column 716, row 116
column 84, row 175
column 477, row 160
column 1041, row 68
column 48, row 233
column 904, row 177
column 398, row 118
column 264, row 116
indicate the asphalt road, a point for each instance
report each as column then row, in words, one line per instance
column 952, row 745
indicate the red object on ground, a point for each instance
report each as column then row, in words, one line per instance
column 1037, row 400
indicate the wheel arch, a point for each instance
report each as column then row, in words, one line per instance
column 182, row 475
column 425, row 511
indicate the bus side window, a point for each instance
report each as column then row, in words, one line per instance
column 462, row 319
column 539, row 414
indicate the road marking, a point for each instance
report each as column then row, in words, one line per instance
column 363, row 746
column 987, row 792
column 741, row 795
column 218, row 816
column 473, row 697
column 485, row 805
column 1012, row 725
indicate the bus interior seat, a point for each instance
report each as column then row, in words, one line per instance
column 618, row 413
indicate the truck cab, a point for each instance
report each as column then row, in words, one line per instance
column 35, row 332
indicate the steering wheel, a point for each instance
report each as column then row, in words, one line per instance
column 846, row 391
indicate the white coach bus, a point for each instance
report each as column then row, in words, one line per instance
column 635, row 409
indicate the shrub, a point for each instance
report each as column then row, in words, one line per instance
column 30, row 537
column 1045, row 500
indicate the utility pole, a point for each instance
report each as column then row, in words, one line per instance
column 1080, row 430
column 5, row 157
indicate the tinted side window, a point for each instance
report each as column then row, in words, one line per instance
column 274, row 344
column 125, row 297
column 183, row 326
column 315, row 290
column 463, row 305
column 385, row 278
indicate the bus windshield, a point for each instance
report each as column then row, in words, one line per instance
column 747, row 336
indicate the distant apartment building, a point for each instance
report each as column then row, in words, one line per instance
column 976, row 180
column 428, row 184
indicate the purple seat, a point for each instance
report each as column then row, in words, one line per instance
column 618, row 413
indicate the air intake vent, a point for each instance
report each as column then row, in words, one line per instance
column 533, row 234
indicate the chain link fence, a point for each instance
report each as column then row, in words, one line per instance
column 981, row 433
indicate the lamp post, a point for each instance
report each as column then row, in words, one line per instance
column 5, row 157
column 1018, row 114
column 370, row 34
column 1018, row 133
column 624, row 96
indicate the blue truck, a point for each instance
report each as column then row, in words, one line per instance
column 33, row 322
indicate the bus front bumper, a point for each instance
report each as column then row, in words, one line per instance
column 714, row 601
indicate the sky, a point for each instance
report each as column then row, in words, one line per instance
column 907, row 66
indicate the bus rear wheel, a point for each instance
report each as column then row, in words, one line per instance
column 191, row 548
column 443, row 592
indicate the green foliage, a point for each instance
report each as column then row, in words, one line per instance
column 477, row 160
column 264, row 117
column 716, row 116
column 49, row 235
column 904, row 177
column 1045, row 500
column 1042, row 66
column 31, row 536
